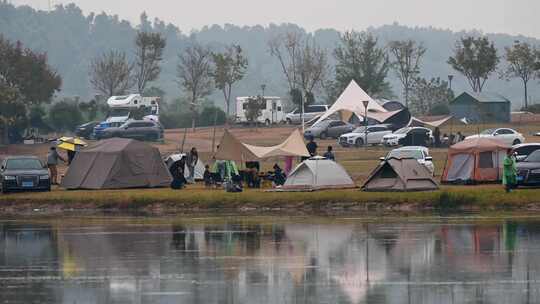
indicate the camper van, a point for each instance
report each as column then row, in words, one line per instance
column 121, row 108
column 272, row 114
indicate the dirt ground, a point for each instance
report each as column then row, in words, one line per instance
column 359, row 162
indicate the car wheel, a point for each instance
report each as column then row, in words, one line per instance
column 323, row 135
column 516, row 142
column 359, row 142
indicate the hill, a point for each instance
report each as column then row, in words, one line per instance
column 71, row 39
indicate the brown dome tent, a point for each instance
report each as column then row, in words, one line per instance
column 475, row 160
column 404, row 174
column 117, row 163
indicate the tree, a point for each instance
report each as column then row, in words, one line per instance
column 229, row 67
column 65, row 115
column 149, row 54
column 430, row 95
column 360, row 59
column 254, row 107
column 26, row 79
column 111, row 73
column 523, row 62
column 476, row 59
column 193, row 72
column 407, row 56
column 304, row 64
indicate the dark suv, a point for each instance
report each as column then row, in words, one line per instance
column 23, row 173
column 136, row 129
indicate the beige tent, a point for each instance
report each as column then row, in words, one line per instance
column 438, row 121
column 231, row 148
column 350, row 102
column 400, row 175
column 318, row 173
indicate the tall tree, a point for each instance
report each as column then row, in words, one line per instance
column 229, row 67
column 304, row 64
column 476, row 59
column 407, row 55
column 148, row 54
column 360, row 59
column 111, row 73
column 523, row 62
column 193, row 71
column 430, row 97
column 26, row 79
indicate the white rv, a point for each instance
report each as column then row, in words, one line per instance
column 120, row 107
column 272, row 114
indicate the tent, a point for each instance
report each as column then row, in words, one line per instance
column 400, row 175
column 230, row 148
column 350, row 102
column 199, row 167
column 435, row 121
column 318, row 173
column 475, row 160
column 117, row 163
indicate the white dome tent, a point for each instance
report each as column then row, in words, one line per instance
column 318, row 173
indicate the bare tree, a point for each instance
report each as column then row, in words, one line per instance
column 148, row 54
column 304, row 64
column 229, row 68
column 193, row 70
column 110, row 73
column 407, row 56
column 523, row 62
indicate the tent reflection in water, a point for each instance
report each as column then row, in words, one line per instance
column 400, row 175
column 475, row 160
column 117, row 163
column 318, row 173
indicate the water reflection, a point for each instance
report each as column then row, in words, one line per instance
column 341, row 261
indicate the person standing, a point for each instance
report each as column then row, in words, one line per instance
column 509, row 171
column 52, row 162
column 437, row 137
column 192, row 159
column 311, row 146
column 329, row 154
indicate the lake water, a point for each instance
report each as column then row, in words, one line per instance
column 270, row 260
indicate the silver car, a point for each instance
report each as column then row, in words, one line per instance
column 329, row 128
column 311, row 112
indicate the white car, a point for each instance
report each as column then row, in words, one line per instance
column 357, row 137
column 392, row 140
column 311, row 112
column 421, row 154
column 506, row 135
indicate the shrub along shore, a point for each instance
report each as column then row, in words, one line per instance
column 328, row 202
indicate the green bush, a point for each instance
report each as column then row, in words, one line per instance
column 65, row 116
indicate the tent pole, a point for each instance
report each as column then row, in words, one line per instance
column 183, row 140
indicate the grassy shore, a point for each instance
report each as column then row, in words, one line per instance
column 163, row 201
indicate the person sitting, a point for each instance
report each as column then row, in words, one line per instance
column 207, row 177
column 177, row 173
column 329, row 154
column 277, row 177
column 235, row 184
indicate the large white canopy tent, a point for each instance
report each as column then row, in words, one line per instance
column 351, row 102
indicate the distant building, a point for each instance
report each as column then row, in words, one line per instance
column 481, row 108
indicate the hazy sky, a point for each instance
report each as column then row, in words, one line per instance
column 500, row 16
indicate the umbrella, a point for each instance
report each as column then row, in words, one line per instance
column 71, row 143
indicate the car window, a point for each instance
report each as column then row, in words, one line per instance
column 504, row 131
column 312, row 109
column 533, row 157
column 24, row 164
column 527, row 150
column 487, row 132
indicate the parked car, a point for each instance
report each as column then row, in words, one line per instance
column 523, row 150
column 86, row 130
column 329, row 128
column 421, row 154
column 136, row 129
column 506, row 135
column 99, row 129
column 311, row 112
column 357, row 137
column 412, row 134
column 24, row 173
column 529, row 170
